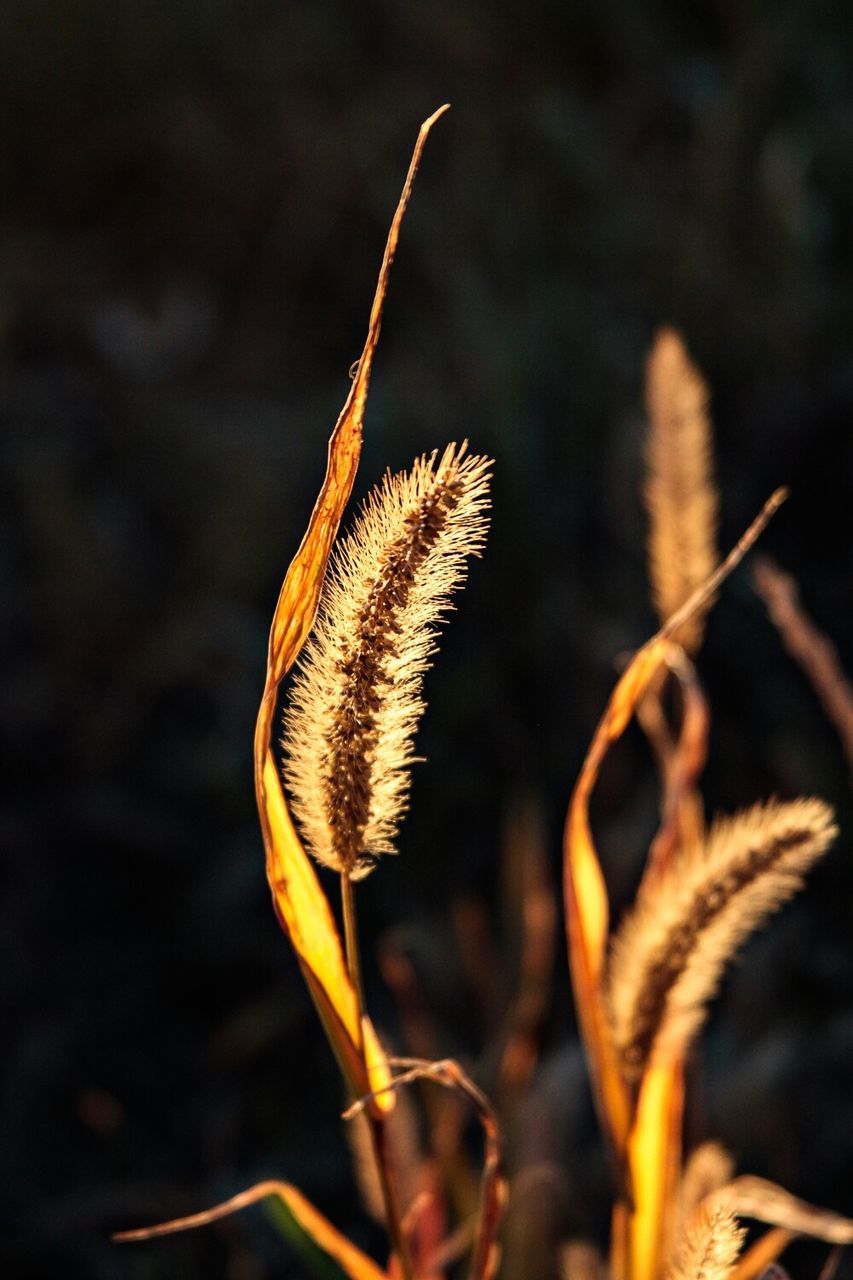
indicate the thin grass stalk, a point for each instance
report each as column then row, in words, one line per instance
column 376, row 1124
column 353, row 956
column 814, row 652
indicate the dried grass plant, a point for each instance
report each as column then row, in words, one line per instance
column 371, row 608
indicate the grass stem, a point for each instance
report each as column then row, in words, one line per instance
column 378, row 1128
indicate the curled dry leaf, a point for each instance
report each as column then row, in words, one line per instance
column 300, row 904
column 493, row 1192
column 585, row 894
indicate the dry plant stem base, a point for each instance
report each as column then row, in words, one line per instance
column 377, row 1125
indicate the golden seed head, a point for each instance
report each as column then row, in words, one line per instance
column 710, row 1247
column 680, row 495
column 356, row 698
column 670, row 951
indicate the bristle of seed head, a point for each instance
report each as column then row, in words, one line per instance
column 670, row 952
column 357, row 696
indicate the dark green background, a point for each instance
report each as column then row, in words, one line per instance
column 194, row 199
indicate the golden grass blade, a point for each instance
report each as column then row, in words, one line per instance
column 711, row 1246
column 304, row 913
column 300, row 903
column 312, row 1223
column 300, row 593
column 493, row 1187
column 587, row 907
column 766, row 1202
column 680, row 495
column 585, row 895
column 670, row 951
column 655, row 1142
column 762, row 1253
column 654, row 1159
column 809, row 647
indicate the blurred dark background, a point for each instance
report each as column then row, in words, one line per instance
column 194, row 203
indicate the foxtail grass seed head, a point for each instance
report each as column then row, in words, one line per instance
column 710, row 1247
column 357, row 695
column 671, row 950
column 680, row 494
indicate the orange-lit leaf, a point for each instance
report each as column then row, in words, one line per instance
column 300, row 903
column 585, row 894
column 302, row 1215
column 304, row 913
column 766, row 1249
column 300, row 594
column 654, row 1159
column 655, row 1142
column 587, row 908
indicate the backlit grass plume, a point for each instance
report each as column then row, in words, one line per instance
column 680, row 493
column 710, row 1247
column 671, row 950
column 357, row 696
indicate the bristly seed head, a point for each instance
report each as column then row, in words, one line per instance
column 356, row 698
column 670, row 951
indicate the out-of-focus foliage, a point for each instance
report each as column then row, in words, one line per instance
column 195, row 199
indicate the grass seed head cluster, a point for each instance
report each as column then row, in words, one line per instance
column 642, row 989
column 356, row 699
